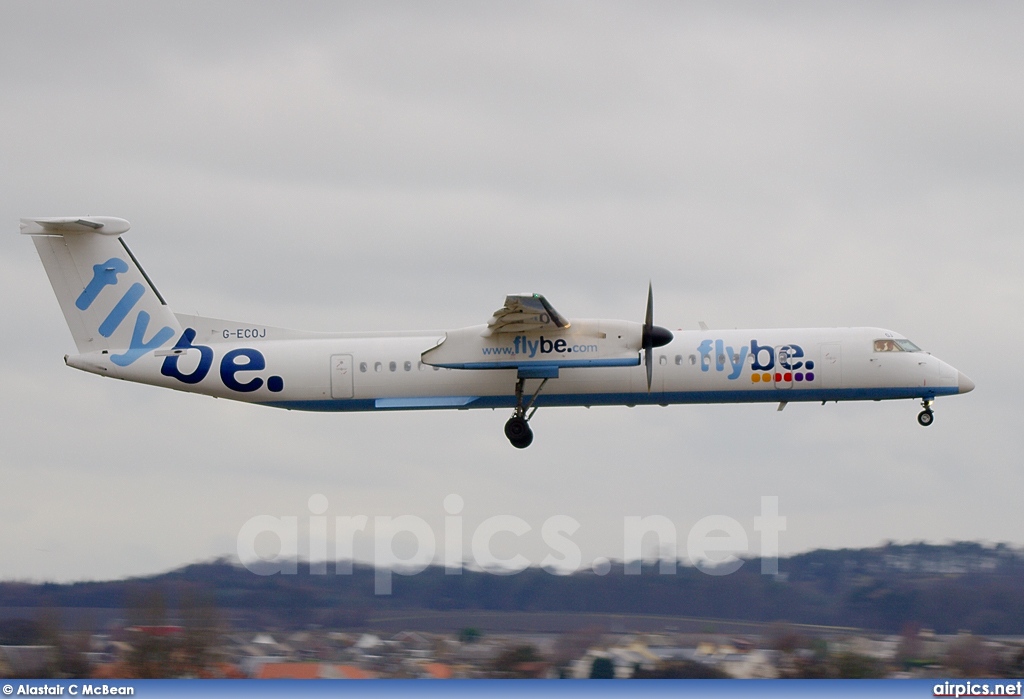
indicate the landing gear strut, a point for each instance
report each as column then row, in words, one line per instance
column 926, row 416
column 517, row 429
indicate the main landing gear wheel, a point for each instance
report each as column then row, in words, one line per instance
column 518, row 431
column 925, row 417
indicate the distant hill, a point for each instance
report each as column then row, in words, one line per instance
column 943, row 587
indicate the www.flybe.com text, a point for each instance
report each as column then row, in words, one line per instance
column 523, row 345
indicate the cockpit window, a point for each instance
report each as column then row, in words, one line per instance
column 896, row 346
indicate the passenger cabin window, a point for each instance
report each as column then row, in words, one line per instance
column 377, row 367
column 896, row 346
column 679, row 359
column 663, row 360
column 392, row 366
column 362, row 367
column 408, row 366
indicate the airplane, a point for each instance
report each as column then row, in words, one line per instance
column 526, row 356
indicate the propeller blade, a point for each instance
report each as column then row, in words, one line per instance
column 653, row 336
column 648, row 355
column 648, row 335
column 649, row 318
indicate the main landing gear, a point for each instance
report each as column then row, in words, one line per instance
column 926, row 416
column 517, row 429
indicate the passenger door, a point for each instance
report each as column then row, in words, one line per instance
column 341, row 376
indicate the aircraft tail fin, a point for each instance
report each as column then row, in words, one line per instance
column 108, row 300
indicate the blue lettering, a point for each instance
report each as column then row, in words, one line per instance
column 756, row 350
column 102, row 275
column 532, row 347
column 170, row 365
column 762, row 358
column 737, row 366
column 229, row 367
column 705, row 355
column 138, row 347
column 787, row 354
column 118, row 313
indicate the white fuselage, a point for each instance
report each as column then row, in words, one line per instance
column 346, row 372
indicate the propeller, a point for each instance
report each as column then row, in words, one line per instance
column 653, row 336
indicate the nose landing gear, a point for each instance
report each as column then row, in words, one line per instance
column 926, row 417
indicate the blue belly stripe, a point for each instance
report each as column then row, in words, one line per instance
column 790, row 395
column 427, row 402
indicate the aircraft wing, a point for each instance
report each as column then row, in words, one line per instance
column 525, row 313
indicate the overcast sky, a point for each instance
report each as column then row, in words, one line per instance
column 380, row 166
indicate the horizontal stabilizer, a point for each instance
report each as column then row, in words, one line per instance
column 107, row 225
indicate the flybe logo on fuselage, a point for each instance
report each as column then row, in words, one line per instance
column 784, row 363
column 234, row 362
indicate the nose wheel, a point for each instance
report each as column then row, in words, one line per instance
column 926, row 417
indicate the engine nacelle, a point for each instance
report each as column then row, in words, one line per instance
column 584, row 343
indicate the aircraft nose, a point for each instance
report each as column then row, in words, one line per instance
column 963, row 383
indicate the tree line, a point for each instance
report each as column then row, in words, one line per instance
column 943, row 587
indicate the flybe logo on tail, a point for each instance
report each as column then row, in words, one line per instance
column 785, row 363
column 104, row 275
